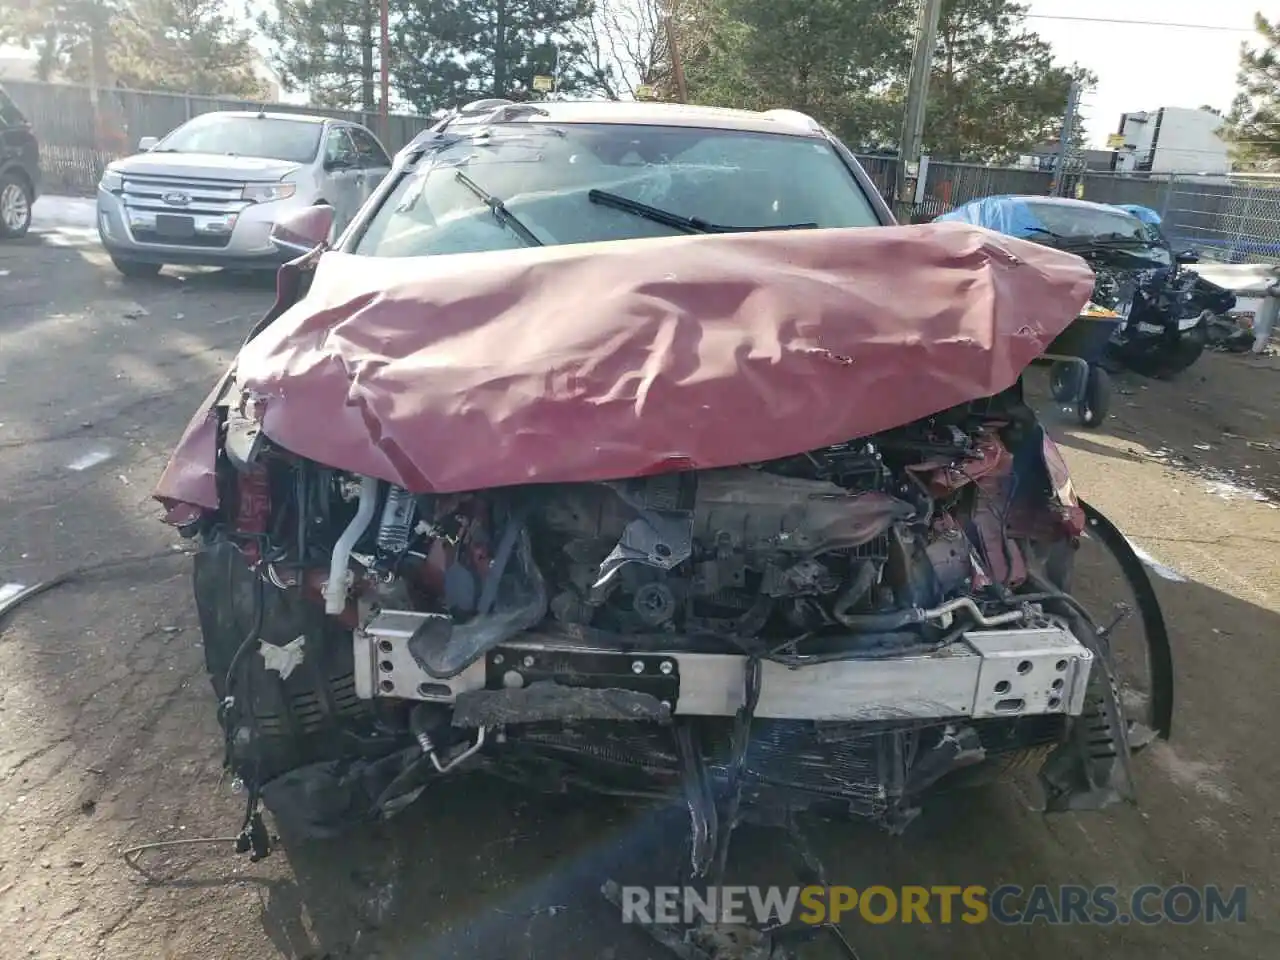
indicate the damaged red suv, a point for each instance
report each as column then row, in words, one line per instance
column 633, row 448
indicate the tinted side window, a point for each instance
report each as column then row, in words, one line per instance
column 368, row 149
column 10, row 115
column 338, row 147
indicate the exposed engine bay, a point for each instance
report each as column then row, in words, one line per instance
column 846, row 628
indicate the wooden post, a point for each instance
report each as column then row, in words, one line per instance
column 677, row 65
column 917, row 96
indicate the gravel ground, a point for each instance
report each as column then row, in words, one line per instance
column 108, row 738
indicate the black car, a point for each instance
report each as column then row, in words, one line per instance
column 19, row 170
column 1139, row 275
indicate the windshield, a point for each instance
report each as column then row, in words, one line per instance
column 269, row 138
column 550, row 180
column 1085, row 223
column 10, row 115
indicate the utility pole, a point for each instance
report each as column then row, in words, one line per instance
column 917, row 96
column 677, row 64
column 1064, row 142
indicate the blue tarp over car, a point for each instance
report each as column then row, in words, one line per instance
column 1009, row 215
column 1145, row 214
column 1035, row 217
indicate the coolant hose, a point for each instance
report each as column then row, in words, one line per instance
column 897, row 619
column 863, row 581
column 335, row 590
column 882, row 622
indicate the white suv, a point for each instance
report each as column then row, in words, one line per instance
column 210, row 191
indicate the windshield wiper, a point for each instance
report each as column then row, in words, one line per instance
column 1046, row 233
column 688, row 224
column 500, row 211
column 1104, row 240
column 1127, row 239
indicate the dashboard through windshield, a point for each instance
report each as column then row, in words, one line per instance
column 547, row 181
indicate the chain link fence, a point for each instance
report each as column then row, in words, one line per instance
column 77, row 141
column 947, row 185
column 1232, row 219
column 1237, row 221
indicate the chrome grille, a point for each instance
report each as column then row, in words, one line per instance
column 206, row 197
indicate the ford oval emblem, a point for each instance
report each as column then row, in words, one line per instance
column 177, row 199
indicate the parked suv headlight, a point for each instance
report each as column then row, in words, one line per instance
column 264, row 192
column 112, row 181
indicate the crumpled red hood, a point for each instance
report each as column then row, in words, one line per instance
column 601, row 361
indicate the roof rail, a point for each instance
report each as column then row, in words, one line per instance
column 484, row 106
column 795, row 117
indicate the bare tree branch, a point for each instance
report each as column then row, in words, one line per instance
column 626, row 43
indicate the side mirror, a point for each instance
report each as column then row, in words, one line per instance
column 339, row 163
column 300, row 232
column 147, row 143
column 1187, row 256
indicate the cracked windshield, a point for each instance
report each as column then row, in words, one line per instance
column 638, row 479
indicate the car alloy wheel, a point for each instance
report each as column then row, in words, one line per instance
column 15, row 209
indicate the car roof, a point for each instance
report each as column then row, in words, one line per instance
column 1061, row 202
column 790, row 122
column 304, row 117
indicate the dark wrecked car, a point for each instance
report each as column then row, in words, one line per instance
column 1167, row 310
column 573, row 465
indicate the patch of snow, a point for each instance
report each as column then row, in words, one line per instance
column 54, row 212
column 70, row 236
column 1227, row 491
column 1155, row 566
column 90, row 459
column 1205, row 779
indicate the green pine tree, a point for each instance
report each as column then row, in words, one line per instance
column 63, row 33
column 190, row 46
column 452, row 51
column 1253, row 126
column 840, row 60
column 328, row 47
column 995, row 90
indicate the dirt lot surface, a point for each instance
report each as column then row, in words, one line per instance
column 108, row 737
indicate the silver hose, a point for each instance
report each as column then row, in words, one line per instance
column 445, row 768
column 966, row 603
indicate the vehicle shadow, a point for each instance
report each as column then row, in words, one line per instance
column 1220, row 416
column 1078, row 442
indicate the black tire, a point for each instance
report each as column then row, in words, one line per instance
column 1154, row 628
column 1093, row 409
column 136, row 269
column 16, row 201
column 1185, row 355
column 1064, row 381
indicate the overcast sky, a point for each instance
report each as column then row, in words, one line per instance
column 1147, row 67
